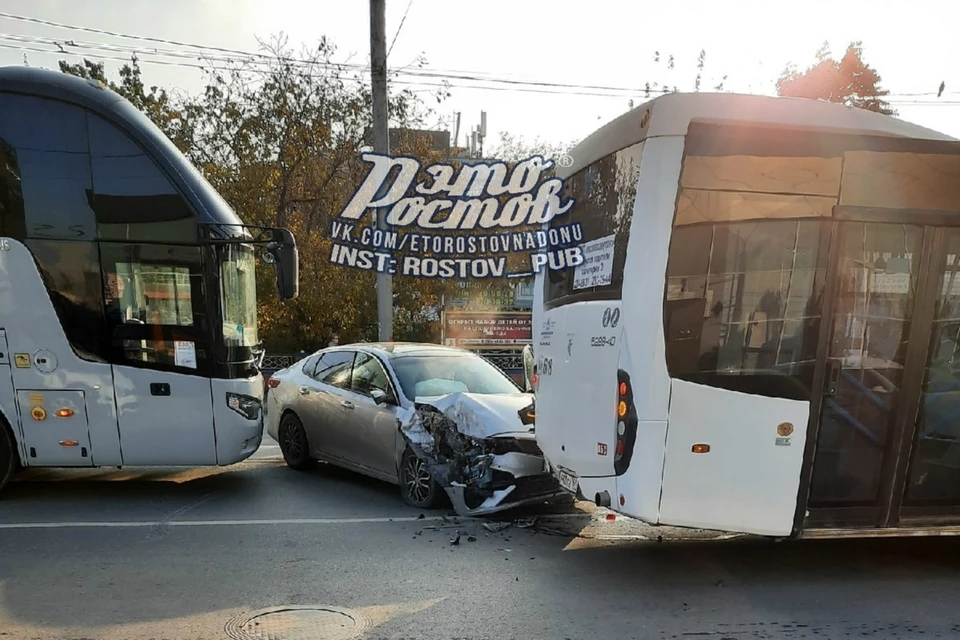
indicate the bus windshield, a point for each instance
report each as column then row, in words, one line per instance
column 238, row 296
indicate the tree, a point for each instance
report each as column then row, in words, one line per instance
column 156, row 103
column 849, row 81
column 279, row 138
column 513, row 148
column 656, row 87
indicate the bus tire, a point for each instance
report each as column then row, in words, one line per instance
column 417, row 487
column 8, row 454
column 293, row 443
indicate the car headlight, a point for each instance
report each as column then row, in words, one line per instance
column 247, row 406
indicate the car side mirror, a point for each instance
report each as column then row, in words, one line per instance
column 379, row 397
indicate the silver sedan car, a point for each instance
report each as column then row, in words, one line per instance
column 437, row 421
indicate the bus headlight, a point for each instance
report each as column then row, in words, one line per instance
column 246, row 406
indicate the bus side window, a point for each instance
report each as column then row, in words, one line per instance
column 45, row 169
column 44, row 183
column 132, row 197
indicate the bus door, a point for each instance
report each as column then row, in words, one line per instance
column 160, row 330
column 884, row 447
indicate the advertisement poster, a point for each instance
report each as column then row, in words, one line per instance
column 478, row 330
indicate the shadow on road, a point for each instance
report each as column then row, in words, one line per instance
column 45, row 487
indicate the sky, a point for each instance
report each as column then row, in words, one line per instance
column 603, row 43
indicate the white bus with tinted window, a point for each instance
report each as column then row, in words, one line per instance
column 764, row 336
column 128, row 290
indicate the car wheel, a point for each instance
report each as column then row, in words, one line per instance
column 8, row 456
column 417, row 487
column 293, row 443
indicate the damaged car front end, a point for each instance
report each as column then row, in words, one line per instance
column 481, row 449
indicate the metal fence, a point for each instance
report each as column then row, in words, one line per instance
column 277, row 362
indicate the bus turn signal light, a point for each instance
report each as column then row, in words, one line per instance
column 626, row 424
column 64, row 413
column 701, row 448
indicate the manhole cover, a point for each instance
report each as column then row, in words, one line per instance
column 307, row 622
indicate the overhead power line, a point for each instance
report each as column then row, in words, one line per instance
column 397, row 34
column 199, row 59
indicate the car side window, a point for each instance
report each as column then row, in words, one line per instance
column 368, row 374
column 335, row 368
column 310, row 366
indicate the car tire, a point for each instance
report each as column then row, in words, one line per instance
column 417, row 487
column 293, row 443
column 8, row 455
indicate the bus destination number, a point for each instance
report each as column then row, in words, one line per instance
column 603, row 341
column 611, row 317
column 545, row 368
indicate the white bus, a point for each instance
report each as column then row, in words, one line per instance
column 128, row 318
column 764, row 338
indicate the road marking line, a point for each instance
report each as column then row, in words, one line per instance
column 231, row 523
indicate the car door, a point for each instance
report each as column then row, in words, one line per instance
column 373, row 440
column 305, row 401
column 332, row 401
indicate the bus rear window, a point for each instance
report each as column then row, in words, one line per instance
column 603, row 195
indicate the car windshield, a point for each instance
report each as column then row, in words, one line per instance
column 435, row 375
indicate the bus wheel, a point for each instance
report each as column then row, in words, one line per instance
column 293, row 443
column 8, row 455
column 417, row 487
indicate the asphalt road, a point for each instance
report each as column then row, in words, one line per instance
column 185, row 553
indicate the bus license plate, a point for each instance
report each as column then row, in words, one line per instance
column 568, row 481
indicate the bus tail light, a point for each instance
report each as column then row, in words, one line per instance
column 626, row 417
column 272, row 383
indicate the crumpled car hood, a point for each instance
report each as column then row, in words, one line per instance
column 455, row 434
column 483, row 415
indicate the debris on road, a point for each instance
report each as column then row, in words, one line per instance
column 455, row 540
column 493, row 527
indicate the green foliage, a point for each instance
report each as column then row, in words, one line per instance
column 849, row 81
column 280, row 140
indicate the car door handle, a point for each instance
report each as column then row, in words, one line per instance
column 304, row 391
column 346, row 404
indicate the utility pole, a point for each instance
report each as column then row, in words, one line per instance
column 381, row 145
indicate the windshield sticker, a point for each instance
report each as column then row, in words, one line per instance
column 597, row 267
column 468, row 222
column 185, row 354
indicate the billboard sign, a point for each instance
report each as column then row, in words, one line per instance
column 479, row 330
